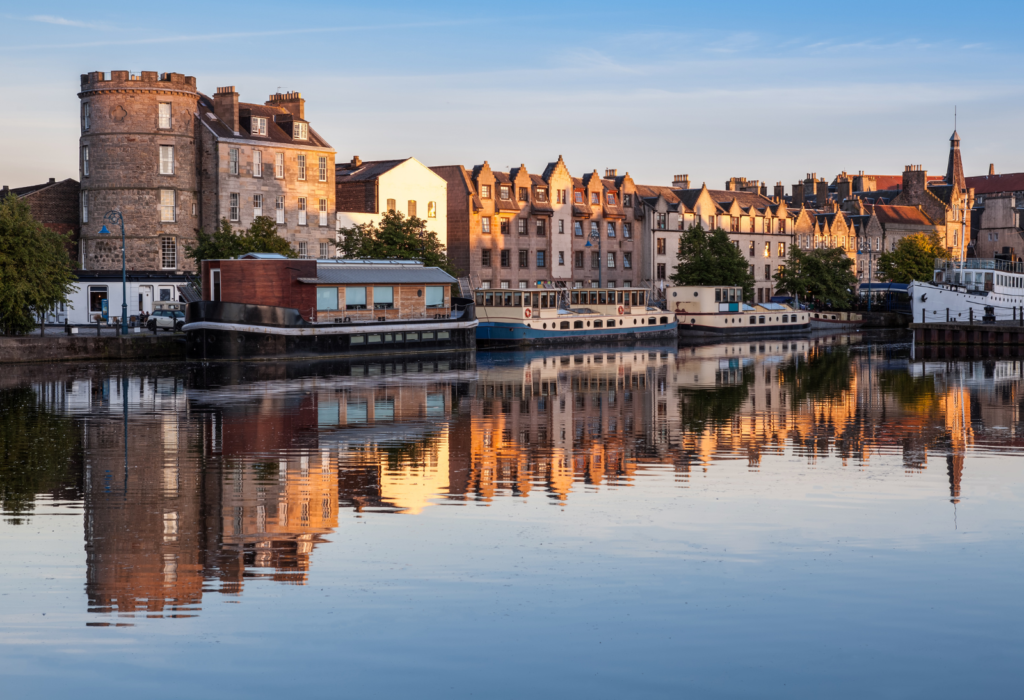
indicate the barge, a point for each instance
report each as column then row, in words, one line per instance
column 550, row 317
column 268, row 306
column 707, row 313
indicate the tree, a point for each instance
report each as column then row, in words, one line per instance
column 710, row 259
column 225, row 243
column 36, row 273
column 396, row 237
column 913, row 260
column 825, row 274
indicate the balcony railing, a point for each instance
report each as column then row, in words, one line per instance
column 980, row 264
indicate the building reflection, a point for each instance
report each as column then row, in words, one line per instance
column 243, row 475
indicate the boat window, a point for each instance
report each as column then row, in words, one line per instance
column 632, row 296
column 508, row 298
column 489, row 299
column 718, row 295
column 383, row 297
column 479, row 298
column 543, row 301
column 664, row 319
column 575, row 298
column 760, row 319
column 564, row 325
column 355, row 297
column 602, row 297
column 357, row 339
column 427, row 335
column 618, row 296
column 373, row 338
column 593, row 297
column 652, row 320
column 435, row 297
column 753, row 320
column 785, row 318
column 598, row 324
column 444, row 335
column 577, row 324
column 519, row 299
column 326, row 298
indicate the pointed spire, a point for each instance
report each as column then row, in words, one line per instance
column 955, row 167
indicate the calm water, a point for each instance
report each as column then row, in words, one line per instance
column 783, row 519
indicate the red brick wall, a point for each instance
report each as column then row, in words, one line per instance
column 266, row 283
column 57, row 208
column 356, row 196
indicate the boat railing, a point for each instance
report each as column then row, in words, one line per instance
column 980, row 264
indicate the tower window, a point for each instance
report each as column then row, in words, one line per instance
column 164, row 115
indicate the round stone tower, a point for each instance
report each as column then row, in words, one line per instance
column 138, row 155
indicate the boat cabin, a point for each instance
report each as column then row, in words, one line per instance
column 705, row 300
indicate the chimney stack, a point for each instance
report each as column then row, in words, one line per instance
column 291, row 101
column 991, row 168
column 225, row 106
column 780, row 191
column 355, row 163
column 681, row 182
column 611, row 173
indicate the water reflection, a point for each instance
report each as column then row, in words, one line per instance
column 240, row 472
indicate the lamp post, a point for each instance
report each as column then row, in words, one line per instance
column 114, row 217
column 596, row 235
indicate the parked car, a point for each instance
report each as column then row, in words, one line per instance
column 169, row 320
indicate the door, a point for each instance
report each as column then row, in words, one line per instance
column 146, row 298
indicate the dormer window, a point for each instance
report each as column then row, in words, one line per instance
column 524, row 194
column 542, row 194
column 259, row 126
column 300, row 131
column 611, row 199
column 506, row 192
column 627, row 200
column 485, row 191
column 579, row 197
column 595, row 198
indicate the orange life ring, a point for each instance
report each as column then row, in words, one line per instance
column 621, row 311
column 528, row 313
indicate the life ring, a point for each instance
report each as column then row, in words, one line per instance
column 528, row 313
column 621, row 310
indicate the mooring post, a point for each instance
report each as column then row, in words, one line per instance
column 947, row 315
column 922, row 315
column 971, row 310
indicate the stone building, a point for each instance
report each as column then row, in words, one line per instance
column 878, row 228
column 267, row 160
column 364, row 190
column 137, row 154
column 54, row 205
column 997, row 218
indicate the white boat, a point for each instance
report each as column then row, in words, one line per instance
column 960, row 291
column 720, row 312
column 835, row 320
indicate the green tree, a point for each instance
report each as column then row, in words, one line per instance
column 224, row 242
column 396, row 237
column 710, row 259
column 913, row 259
column 36, row 272
column 825, row 274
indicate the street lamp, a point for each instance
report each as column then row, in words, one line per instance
column 596, row 235
column 114, row 217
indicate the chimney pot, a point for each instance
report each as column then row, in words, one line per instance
column 52, row 180
column 991, row 168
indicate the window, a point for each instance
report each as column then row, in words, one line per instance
column 610, row 199
column 166, row 206
column 561, row 225
column 734, row 224
column 503, row 285
column 164, row 115
column 168, row 253
column 166, row 160
column 485, row 191
column 595, row 260
column 627, row 229
column 661, row 246
column 611, row 261
column 86, row 120
column 323, row 211
column 611, row 229
column 233, row 214
column 214, row 285
column 300, row 131
column 782, row 249
column 303, row 250
column 485, row 258
column 434, row 297
column 257, row 205
column 506, row 258
column 524, row 194
column 627, row 200
column 767, row 249
column 505, row 192
column 660, row 271
column 279, row 165
column 503, row 225
column 85, row 207
column 578, row 228
column 751, row 249
column 627, row 261
column 392, row 205
column 383, row 297
column 751, row 270
column 782, row 226
column 522, row 285
column 781, row 269
column 524, row 258
column 257, row 163
column 578, row 259
column 258, row 126
column 878, row 244
column 85, row 161
column 542, row 258
column 767, row 225
column 540, row 227
column 355, row 298
column 661, row 220
column 560, row 196
column 752, row 224
column 322, row 169
column 279, row 209
column 767, row 272
column 485, row 224
column 233, row 161
column 431, row 210
column 325, row 251
column 521, row 226
column 302, row 166
column 97, row 295
column 595, row 198
column 541, row 194
column 326, row 298
column 578, row 197
column 561, row 257
column 594, row 232
column 302, row 211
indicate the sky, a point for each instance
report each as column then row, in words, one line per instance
column 767, row 91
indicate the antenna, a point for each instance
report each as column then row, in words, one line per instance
column 954, row 117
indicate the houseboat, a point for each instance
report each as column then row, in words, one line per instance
column 975, row 288
column 835, row 320
column 720, row 312
column 545, row 317
column 269, row 306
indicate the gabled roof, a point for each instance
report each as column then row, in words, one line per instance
column 275, row 134
column 991, row 184
column 458, row 176
column 889, row 214
column 369, row 170
column 32, row 189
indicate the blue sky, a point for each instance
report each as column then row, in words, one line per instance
column 768, row 90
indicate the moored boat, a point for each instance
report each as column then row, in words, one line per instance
column 545, row 317
column 720, row 312
column 975, row 289
column 835, row 320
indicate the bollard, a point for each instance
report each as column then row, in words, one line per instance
column 922, row 315
column 67, row 327
column 947, row 315
column 971, row 310
column 97, row 328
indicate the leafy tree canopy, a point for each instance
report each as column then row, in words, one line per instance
column 36, row 273
column 710, row 259
column 396, row 237
column 913, row 259
column 224, row 242
column 825, row 274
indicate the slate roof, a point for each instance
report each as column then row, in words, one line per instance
column 275, row 134
column 369, row 170
column 991, row 184
column 456, row 175
column 889, row 214
column 378, row 273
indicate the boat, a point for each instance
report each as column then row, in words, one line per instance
column 720, row 312
column 263, row 306
column 548, row 317
column 835, row 320
column 973, row 290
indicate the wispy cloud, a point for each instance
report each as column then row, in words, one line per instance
column 65, row 22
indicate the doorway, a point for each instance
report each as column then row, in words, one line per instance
column 146, row 299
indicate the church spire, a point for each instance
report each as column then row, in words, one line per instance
column 955, row 167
